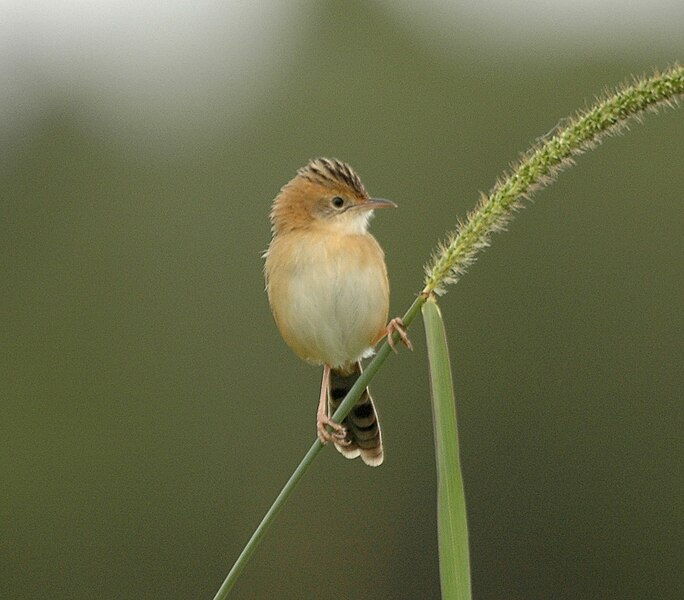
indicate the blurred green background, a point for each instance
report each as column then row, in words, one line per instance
column 150, row 410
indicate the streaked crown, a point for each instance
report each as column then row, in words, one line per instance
column 332, row 173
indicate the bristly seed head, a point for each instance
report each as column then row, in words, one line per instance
column 542, row 163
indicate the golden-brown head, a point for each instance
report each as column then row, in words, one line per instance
column 325, row 193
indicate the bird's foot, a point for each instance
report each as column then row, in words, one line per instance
column 338, row 435
column 397, row 325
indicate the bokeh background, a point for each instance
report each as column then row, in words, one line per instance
column 150, row 411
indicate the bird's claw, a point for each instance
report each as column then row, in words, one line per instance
column 397, row 325
column 338, row 435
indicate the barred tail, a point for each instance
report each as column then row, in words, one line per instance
column 362, row 425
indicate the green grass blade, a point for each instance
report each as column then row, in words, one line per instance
column 454, row 559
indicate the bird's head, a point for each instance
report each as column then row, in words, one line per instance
column 328, row 194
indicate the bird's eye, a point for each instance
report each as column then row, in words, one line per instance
column 337, row 202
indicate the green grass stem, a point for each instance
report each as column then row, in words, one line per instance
column 342, row 411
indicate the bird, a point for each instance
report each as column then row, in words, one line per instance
column 328, row 290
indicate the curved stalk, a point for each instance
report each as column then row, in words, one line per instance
column 537, row 168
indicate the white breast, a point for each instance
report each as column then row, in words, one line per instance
column 336, row 301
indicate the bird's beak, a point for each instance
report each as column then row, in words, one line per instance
column 373, row 203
